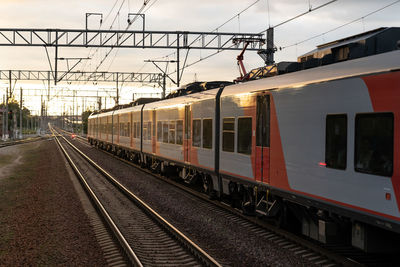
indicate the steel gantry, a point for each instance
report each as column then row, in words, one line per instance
column 127, row 39
column 124, row 39
column 77, row 76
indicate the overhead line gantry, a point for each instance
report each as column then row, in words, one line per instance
column 78, row 76
column 126, row 39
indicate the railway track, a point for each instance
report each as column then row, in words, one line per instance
column 308, row 250
column 147, row 239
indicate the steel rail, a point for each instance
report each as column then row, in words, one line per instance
column 114, row 228
column 189, row 244
column 332, row 256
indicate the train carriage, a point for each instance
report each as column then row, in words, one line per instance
column 318, row 146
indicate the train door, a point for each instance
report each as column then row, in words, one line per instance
column 187, row 142
column 131, row 129
column 153, row 139
column 263, row 138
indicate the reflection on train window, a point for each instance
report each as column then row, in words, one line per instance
column 154, row 122
column 374, row 143
column 159, row 131
column 336, row 141
column 263, row 121
column 244, row 136
column 115, row 128
column 134, row 129
column 179, row 132
column 138, row 130
column 187, row 121
column 171, row 136
column 228, row 135
column 196, row 141
column 165, row 132
column 207, row 133
column 109, row 128
column 145, row 129
column 149, row 131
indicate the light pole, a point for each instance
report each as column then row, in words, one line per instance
column 20, row 115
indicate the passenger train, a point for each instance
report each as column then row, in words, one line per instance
column 316, row 148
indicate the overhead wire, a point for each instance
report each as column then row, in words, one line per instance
column 120, row 36
column 286, row 21
column 341, row 26
column 215, row 30
column 90, row 55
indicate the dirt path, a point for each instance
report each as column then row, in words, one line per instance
column 11, row 157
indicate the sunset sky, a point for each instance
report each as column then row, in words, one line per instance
column 183, row 15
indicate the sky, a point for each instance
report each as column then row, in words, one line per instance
column 174, row 15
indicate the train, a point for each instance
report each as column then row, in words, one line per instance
column 314, row 148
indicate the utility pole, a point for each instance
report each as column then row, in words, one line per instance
column 270, row 47
column 9, row 75
column 73, row 109
column 117, row 99
column 3, row 117
column 41, row 114
column 163, row 86
column 20, row 114
column 63, row 117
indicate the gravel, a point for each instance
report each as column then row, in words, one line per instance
column 221, row 236
column 42, row 221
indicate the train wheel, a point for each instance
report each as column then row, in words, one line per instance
column 208, row 187
column 248, row 201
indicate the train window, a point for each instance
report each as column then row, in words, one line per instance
column 165, row 132
column 179, row 132
column 188, row 115
column 154, row 123
column 144, row 130
column 115, row 128
column 244, row 136
column 263, row 122
column 207, row 133
column 196, row 141
column 228, row 134
column 171, row 135
column 121, row 129
column 134, row 129
column 374, row 143
column 149, row 131
column 138, row 129
column 128, row 131
column 159, row 131
column 336, row 141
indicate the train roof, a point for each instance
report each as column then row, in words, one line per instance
column 183, row 100
column 362, row 66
